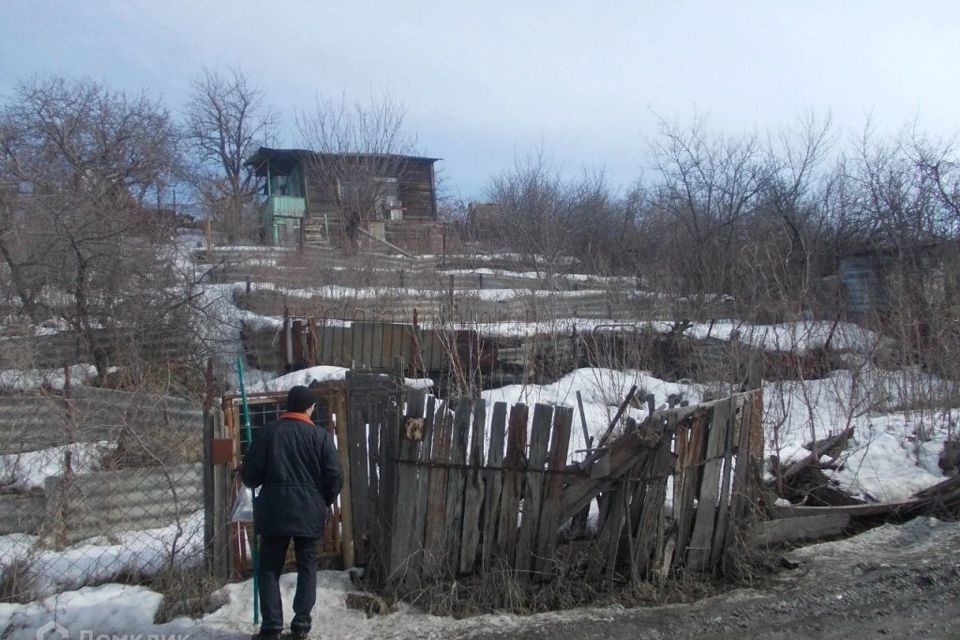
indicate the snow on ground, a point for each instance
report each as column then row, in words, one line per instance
column 54, row 378
column 792, row 336
column 885, row 460
column 220, row 326
column 29, row 469
column 251, row 248
column 342, row 292
column 128, row 610
column 123, row 609
column 602, row 391
column 138, row 552
column 304, row 377
column 539, row 275
column 894, row 450
column 322, row 373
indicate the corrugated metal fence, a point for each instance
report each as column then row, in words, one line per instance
column 98, row 485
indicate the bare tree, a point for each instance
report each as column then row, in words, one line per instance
column 226, row 121
column 708, row 186
column 86, row 158
column 358, row 152
column 550, row 219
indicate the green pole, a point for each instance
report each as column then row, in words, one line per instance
column 248, row 434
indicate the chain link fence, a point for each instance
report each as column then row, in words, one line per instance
column 98, row 486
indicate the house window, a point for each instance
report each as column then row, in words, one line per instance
column 387, row 203
column 379, row 197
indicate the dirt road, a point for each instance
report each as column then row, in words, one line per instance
column 891, row 582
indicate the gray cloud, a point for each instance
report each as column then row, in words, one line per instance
column 492, row 80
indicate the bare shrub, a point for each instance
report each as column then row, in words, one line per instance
column 17, row 581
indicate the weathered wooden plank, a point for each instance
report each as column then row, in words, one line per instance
column 493, row 481
column 726, row 475
column 473, row 493
column 405, row 512
column 373, row 417
column 690, row 455
column 340, row 412
column 623, row 452
column 359, row 479
column 455, row 483
column 553, row 491
column 433, row 538
column 512, row 484
column 412, row 577
column 533, row 486
column 853, row 510
column 747, row 466
column 608, row 540
column 771, row 532
column 390, row 422
column 648, row 544
column 698, row 553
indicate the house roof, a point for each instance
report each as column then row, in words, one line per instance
column 286, row 159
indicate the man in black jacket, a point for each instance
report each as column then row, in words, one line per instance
column 296, row 466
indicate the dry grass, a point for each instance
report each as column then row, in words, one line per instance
column 17, row 581
column 186, row 592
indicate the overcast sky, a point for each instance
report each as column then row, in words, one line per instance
column 485, row 82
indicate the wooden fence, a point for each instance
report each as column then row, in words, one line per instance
column 433, row 495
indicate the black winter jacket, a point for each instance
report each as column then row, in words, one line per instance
column 297, row 468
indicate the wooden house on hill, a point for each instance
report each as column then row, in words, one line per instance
column 357, row 198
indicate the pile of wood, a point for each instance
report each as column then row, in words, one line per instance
column 821, row 510
column 804, row 481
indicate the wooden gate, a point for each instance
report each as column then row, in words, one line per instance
column 228, row 543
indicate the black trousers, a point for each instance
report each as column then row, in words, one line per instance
column 273, row 553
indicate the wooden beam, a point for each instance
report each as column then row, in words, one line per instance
column 771, row 532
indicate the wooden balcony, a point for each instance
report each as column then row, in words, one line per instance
column 284, row 207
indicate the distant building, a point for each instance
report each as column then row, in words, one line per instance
column 875, row 280
column 321, row 198
column 485, row 220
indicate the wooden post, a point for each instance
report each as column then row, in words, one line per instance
column 587, row 440
column 208, row 496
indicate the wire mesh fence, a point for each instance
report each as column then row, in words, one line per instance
column 98, row 486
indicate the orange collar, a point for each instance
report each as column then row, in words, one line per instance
column 296, row 415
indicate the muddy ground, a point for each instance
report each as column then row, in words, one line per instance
column 891, row 582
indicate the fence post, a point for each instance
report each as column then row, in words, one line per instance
column 209, row 519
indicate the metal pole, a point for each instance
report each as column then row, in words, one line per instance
column 254, row 553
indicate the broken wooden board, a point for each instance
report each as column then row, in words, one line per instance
column 853, row 510
column 800, row 529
